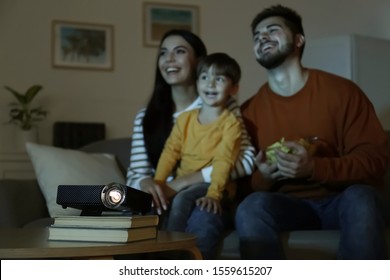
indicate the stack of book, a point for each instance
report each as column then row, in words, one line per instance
column 120, row 229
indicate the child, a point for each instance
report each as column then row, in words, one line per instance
column 202, row 137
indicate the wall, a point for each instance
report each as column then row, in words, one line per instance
column 114, row 97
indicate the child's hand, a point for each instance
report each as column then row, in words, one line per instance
column 209, row 204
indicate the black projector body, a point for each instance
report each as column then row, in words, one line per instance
column 92, row 200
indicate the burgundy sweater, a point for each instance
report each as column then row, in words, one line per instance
column 352, row 147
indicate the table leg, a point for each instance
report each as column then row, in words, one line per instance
column 195, row 253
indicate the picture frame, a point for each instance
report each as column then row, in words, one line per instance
column 80, row 45
column 160, row 17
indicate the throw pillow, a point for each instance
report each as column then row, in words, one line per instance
column 57, row 166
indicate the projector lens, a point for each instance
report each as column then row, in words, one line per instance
column 113, row 195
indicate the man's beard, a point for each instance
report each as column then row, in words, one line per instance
column 271, row 61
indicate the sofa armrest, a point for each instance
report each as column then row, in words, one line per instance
column 21, row 202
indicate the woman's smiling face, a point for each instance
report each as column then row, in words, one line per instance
column 177, row 62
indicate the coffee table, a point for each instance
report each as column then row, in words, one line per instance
column 32, row 243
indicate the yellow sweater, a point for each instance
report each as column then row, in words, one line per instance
column 193, row 146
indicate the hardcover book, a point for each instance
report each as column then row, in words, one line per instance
column 120, row 235
column 109, row 221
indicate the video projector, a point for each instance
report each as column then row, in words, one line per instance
column 92, row 200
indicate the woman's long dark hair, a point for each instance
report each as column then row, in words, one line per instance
column 157, row 123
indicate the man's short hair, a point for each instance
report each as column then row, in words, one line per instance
column 292, row 18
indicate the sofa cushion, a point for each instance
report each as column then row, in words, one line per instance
column 120, row 147
column 57, row 166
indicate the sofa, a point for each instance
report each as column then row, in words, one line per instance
column 22, row 204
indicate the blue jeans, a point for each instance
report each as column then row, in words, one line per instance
column 182, row 205
column 355, row 212
column 209, row 227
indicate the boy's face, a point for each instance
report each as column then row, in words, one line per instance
column 215, row 89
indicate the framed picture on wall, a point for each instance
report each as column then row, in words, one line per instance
column 82, row 45
column 159, row 18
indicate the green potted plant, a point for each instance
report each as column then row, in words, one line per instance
column 21, row 113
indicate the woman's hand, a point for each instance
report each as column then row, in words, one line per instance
column 209, row 204
column 161, row 193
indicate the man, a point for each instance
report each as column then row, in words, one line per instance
column 334, row 151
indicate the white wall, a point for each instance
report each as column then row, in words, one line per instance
column 114, row 97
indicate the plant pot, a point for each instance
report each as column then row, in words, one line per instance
column 25, row 136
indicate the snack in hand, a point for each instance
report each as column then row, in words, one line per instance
column 270, row 151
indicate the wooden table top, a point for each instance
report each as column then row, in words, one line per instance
column 32, row 243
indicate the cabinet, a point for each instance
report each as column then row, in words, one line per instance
column 364, row 60
column 16, row 166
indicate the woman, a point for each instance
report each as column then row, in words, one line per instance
column 175, row 92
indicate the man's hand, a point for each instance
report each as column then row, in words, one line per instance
column 267, row 169
column 209, row 204
column 298, row 164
